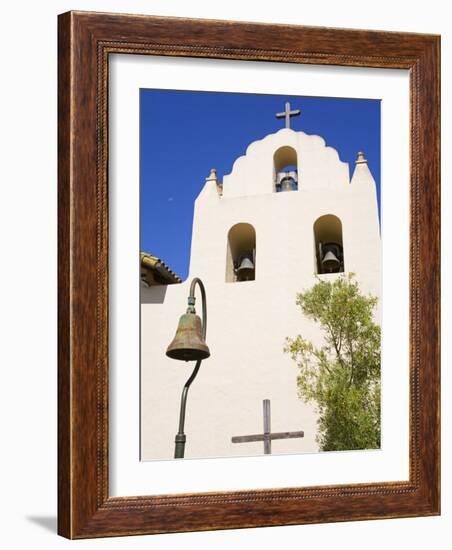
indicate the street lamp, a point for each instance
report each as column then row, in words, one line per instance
column 189, row 345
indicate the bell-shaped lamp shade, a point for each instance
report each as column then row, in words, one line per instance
column 188, row 343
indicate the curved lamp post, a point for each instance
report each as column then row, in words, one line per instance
column 189, row 345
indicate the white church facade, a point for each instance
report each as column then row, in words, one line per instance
column 287, row 214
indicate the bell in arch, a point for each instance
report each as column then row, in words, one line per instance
column 188, row 343
column 245, row 271
column 287, row 181
column 330, row 262
column 288, row 184
column 332, row 256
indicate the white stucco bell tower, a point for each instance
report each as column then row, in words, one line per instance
column 287, row 213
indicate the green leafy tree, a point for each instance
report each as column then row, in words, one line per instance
column 341, row 376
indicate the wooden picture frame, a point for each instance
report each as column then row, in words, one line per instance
column 85, row 508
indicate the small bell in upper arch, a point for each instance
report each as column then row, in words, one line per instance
column 288, row 184
column 287, row 181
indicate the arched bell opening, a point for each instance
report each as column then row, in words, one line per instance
column 329, row 246
column 285, row 163
column 241, row 253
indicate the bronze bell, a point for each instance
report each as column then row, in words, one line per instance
column 288, row 184
column 245, row 271
column 188, row 343
column 330, row 262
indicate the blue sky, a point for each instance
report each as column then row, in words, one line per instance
column 184, row 134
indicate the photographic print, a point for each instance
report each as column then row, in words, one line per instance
column 225, row 265
column 260, row 274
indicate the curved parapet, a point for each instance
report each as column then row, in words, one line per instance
column 254, row 173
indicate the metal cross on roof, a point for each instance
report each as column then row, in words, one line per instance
column 267, row 437
column 288, row 113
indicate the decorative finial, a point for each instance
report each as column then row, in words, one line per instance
column 214, row 178
column 288, row 113
column 212, row 175
column 361, row 158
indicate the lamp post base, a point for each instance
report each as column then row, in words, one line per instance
column 180, row 445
